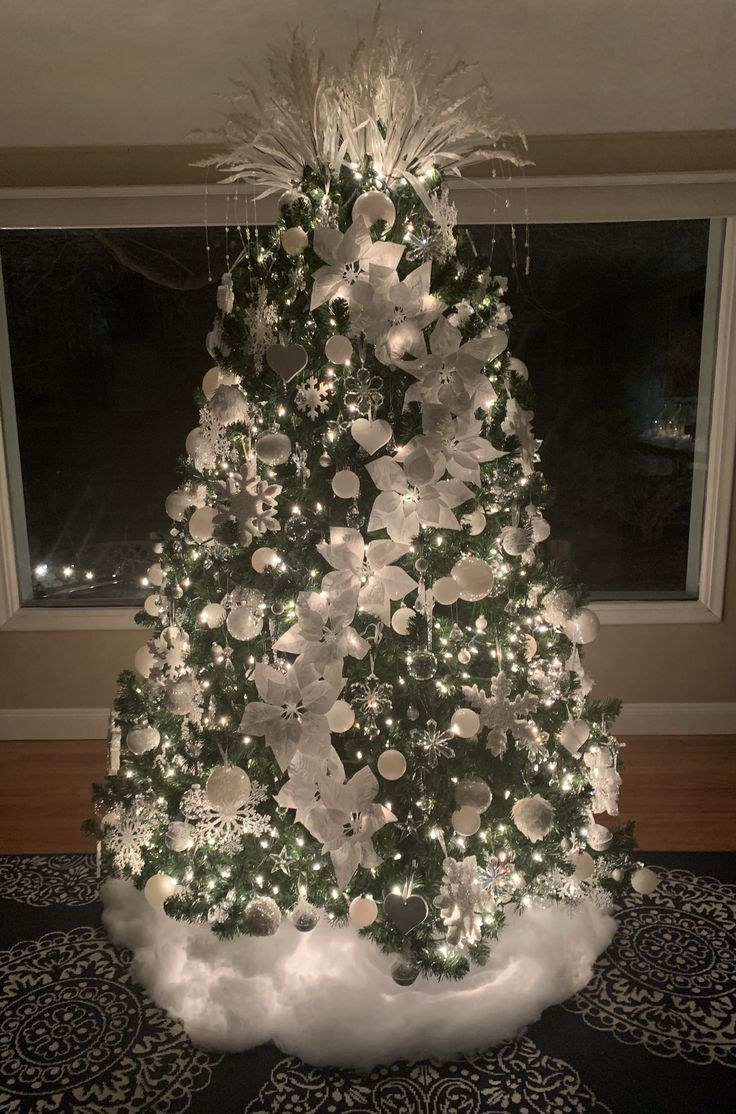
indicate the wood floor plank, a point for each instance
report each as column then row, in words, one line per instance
column 680, row 790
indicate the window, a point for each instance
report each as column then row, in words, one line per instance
column 616, row 321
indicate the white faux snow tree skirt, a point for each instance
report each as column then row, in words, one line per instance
column 327, row 996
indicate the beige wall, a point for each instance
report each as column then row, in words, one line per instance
column 651, row 664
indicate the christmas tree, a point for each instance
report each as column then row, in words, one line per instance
column 363, row 698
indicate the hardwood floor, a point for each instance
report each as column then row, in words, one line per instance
column 680, row 790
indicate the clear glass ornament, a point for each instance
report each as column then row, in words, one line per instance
column 298, row 529
column 353, row 517
column 422, row 665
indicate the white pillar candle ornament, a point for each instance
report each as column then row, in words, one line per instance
column 391, row 765
column 583, row 627
column 363, row 911
column 212, row 615
column 338, row 349
column 582, row 865
column 228, row 787
column 294, row 240
column 446, row 591
column 644, row 881
column 159, row 888
column 474, row 577
column 340, row 717
column 273, row 447
column 345, row 484
column 264, row 558
column 139, row 740
column 374, row 205
column 465, row 723
column 465, row 821
column 202, row 524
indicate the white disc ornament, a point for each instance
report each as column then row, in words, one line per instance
column 264, row 558
column 402, row 619
column 158, row 888
column 273, row 447
column 294, row 240
column 144, row 661
column 152, row 605
column 228, row 787
column 142, row 739
column 475, row 521
column 363, row 911
column 474, row 577
column 202, row 524
column 446, row 591
column 466, row 821
column 340, row 717
column 465, row 723
column 338, row 349
column 574, row 734
column 644, row 880
column 473, row 793
column 212, row 615
column 179, row 836
column 582, row 864
column 374, row 205
column 155, row 575
column 391, row 765
column 345, row 484
column 583, row 627
column 244, row 623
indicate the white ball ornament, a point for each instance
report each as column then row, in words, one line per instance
column 402, row 619
column 466, row 821
column 159, row 888
column 530, row 646
column 618, row 874
column 177, row 504
column 465, row 723
column 340, row 717
column 346, row 485
column 582, row 864
column 391, row 765
column 519, row 367
column 473, row 793
column 202, row 524
column 144, row 661
column 244, row 623
column 273, row 447
column 363, row 911
column 294, row 240
column 374, row 205
column 142, row 739
column 193, row 442
column 599, row 837
column 644, row 881
column 228, row 787
column 264, row 558
column 475, row 521
column 583, row 627
column 446, row 591
column 212, row 615
column 474, row 577
column 215, row 378
column 515, row 541
column 155, row 575
column 557, row 607
column 338, row 349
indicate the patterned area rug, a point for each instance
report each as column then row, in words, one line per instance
column 654, row 1031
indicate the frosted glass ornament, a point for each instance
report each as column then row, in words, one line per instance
column 446, row 591
column 346, row 485
column 304, row 916
column 474, row 577
column 473, row 793
column 212, row 615
column 264, row 558
column 177, row 504
column 582, row 864
column 179, row 836
column 475, row 521
column 152, row 605
column 244, row 623
column 464, row 656
column 540, row 528
column 180, row 696
column 599, row 837
column 404, row 971
column 557, row 607
column 583, row 627
column 644, row 881
column 144, row 661
column 202, row 524
column 158, row 888
column 465, row 723
column 338, row 349
column 391, row 764
column 294, row 240
column 215, row 378
column 402, row 619
column 142, row 739
column 374, row 205
column 228, row 787
column 155, row 575
column 515, row 541
column 273, row 447
column 574, row 734
column 340, row 717
column 465, row 821
column 363, row 911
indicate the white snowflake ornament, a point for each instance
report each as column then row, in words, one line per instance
column 313, row 397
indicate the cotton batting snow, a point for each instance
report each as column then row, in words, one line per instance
column 328, row 997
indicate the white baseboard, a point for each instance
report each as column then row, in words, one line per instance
column 636, row 719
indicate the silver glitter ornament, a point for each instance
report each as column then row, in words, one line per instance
column 304, row 916
column 261, row 917
column 412, row 713
column 404, row 971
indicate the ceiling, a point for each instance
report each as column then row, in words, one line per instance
column 120, row 72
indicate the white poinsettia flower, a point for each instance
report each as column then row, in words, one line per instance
column 400, row 309
column 456, row 442
column 323, row 634
column 413, row 495
column 292, row 711
column 452, row 373
column 348, row 258
column 366, row 570
column 342, row 814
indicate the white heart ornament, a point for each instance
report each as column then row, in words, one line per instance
column 287, row 360
column 574, row 734
column 371, row 435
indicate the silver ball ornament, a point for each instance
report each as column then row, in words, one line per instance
column 304, row 916
column 404, row 971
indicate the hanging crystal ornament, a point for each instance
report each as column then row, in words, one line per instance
column 354, row 517
column 372, row 698
column 422, row 664
column 363, row 392
column 433, row 743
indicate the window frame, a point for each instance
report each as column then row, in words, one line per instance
column 479, row 201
